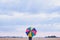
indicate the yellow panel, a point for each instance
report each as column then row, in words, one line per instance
column 30, row 34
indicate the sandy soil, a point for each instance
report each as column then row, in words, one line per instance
column 27, row 38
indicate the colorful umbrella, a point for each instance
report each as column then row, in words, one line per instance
column 31, row 32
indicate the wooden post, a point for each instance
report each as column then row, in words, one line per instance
column 30, row 38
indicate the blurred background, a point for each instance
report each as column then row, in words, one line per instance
column 17, row 15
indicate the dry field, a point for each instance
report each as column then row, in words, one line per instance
column 27, row 38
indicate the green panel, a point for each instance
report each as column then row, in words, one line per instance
column 29, row 28
column 33, row 34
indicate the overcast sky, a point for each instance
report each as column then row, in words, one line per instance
column 17, row 15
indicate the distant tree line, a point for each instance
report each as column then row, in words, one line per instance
column 10, row 37
column 51, row 36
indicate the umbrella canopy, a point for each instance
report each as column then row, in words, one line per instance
column 31, row 32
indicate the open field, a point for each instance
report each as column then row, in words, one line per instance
column 27, row 38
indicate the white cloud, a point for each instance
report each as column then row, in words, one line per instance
column 56, row 2
column 12, row 34
column 9, row 1
column 32, row 17
column 53, row 15
column 53, row 3
column 47, row 4
column 44, row 4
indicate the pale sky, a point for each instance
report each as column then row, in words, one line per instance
column 17, row 15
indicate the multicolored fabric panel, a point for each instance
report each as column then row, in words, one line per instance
column 31, row 32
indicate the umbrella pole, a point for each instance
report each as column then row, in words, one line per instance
column 30, row 38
